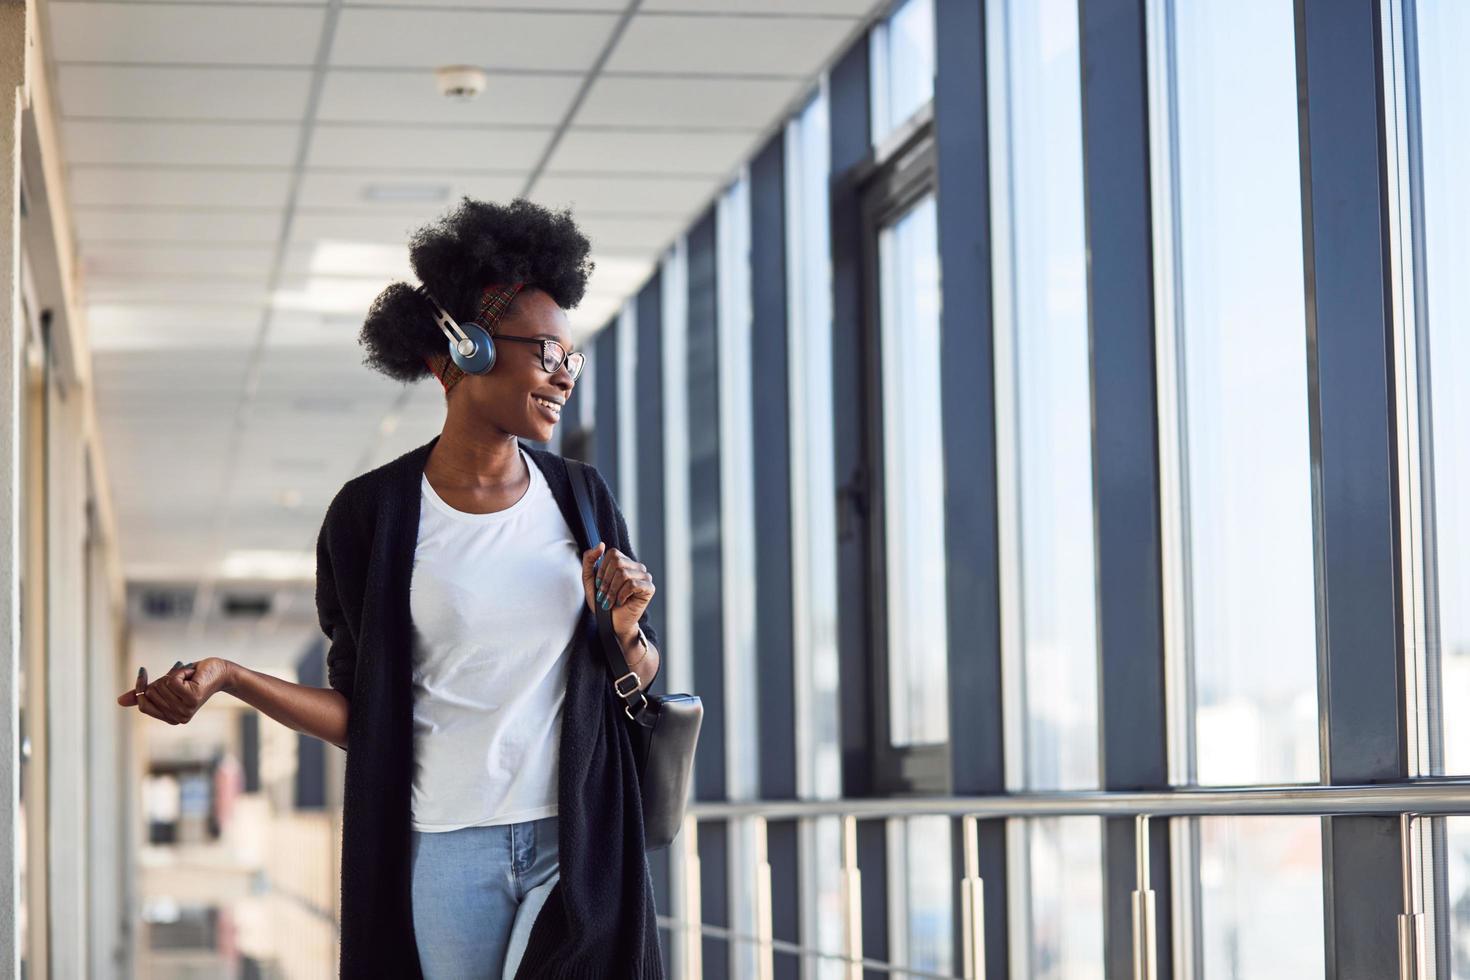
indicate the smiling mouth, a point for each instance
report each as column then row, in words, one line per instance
column 550, row 408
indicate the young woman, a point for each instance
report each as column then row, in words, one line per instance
column 492, row 822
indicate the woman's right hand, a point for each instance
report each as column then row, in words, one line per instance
column 177, row 695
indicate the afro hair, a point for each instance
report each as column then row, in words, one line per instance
column 456, row 256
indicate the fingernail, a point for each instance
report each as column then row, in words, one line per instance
column 177, row 664
column 604, row 603
column 189, row 665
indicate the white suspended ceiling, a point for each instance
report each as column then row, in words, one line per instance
column 243, row 177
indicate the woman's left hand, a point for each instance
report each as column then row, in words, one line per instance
column 616, row 582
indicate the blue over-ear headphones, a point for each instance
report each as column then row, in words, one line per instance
column 471, row 347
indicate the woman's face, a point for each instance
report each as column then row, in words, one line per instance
column 510, row 396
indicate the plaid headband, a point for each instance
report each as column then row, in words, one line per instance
column 494, row 302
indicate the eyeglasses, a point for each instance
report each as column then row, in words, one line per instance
column 553, row 355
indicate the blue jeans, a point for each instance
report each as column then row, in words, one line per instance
column 476, row 893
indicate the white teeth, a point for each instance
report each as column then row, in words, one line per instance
column 551, row 405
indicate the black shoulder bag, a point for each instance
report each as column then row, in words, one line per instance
column 665, row 727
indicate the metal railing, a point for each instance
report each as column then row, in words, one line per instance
column 1406, row 800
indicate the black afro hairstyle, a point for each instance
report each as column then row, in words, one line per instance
column 456, row 257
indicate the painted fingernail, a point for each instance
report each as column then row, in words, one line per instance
column 189, row 665
column 604, row 604
column 177, row 664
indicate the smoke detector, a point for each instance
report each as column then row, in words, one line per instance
column 460, row 82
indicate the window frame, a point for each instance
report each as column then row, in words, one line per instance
column 895, row 177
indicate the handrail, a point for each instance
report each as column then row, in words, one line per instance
column 1423, row 797
column 1405, row 799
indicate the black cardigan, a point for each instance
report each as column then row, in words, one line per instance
column 598, row 920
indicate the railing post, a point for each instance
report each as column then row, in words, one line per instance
column 1145, row 942
column 852, row 900
column 972, row 902
column 1411, row 922
column 765, row 932
column 692, row 961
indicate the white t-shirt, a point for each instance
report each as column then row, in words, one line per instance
column 495, row 600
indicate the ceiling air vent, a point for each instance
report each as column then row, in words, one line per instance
column 241, row 606
column 161, row 604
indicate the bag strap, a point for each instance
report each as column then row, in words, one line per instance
column 623, row 679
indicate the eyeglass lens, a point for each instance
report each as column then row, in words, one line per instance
column 552, row 356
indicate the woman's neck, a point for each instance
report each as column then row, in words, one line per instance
column 474, row 459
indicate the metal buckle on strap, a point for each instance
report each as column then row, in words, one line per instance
column 617, row 685
column 642, row 707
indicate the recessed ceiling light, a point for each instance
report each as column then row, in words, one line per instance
column 266, row 564
column 406, row 192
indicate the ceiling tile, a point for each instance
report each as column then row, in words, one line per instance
column 726, row 103
column 790, row 46
column 313, row 333
column 185, row 188
column 101, row 288
column 179, row 143
column 339, row 259
column 386, row 146
column 612, row 6
column 339, row 190
column 623, row 234
column 413, row 97
column 388, row 229
column 215, row 94
column 624, row 194
column 131, row 224
column 836, row 8
column 619, row 275
column 708, row 154
column 178, row 261
column 504, row 40
column 184, row 33
column 119, row 327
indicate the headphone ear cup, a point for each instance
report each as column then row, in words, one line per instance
column 483, row 359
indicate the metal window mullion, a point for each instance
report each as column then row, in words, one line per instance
column 979, row 726
column 1118, row 199
column 1346, row 219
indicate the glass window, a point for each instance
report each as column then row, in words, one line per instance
column 1246, row 483
column 1261, row 897
column 901, row 57
column 922, row 917
column 813, row 481
column 913, row 477
column 1444, row 79
column 737, row 485
column 1457, row 890
column 1044, row 405
column 1059, row 896
column 626, row 352
column 1044, row 456
column 814, row 525
column 737, row 550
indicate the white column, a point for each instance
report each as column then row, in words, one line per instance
column 12, row 82
column 106, row 729
column 66, row 680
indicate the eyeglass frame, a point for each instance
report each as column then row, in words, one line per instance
column 543, row 341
